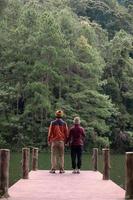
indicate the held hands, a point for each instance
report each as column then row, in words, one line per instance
column 67, row 144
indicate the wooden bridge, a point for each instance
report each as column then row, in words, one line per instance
column 41, row 185
column 87, row 185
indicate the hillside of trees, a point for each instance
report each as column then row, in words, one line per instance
column 74, row 55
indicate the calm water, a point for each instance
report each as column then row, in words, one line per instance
column 117, row 171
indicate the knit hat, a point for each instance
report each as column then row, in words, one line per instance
column 76, row 120
column 59, row 113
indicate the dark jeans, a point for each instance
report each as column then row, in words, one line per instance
column 76, row 156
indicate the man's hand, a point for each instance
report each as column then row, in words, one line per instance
column 67, row 144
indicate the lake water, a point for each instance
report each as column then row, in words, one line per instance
column 117, row 171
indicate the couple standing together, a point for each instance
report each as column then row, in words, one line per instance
column 58, row 136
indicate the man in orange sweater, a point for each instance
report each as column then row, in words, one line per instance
column 57, row 137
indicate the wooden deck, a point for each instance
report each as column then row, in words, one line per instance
column 88, row 185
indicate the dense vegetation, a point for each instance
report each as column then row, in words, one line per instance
column 75, row 55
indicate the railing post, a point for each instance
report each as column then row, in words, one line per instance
column 25, row 163
column 106, row 164
column 35, row 159
column 129, row 175
column 95, row 159
column 4, row 172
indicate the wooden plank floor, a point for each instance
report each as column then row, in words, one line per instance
column 87, row 185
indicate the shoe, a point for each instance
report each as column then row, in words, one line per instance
column 52, row 171
column 78, row 171
column 74, row 171
column 61, row 171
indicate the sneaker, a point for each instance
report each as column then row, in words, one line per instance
column 78, row 171
column 52, row 171
column 61, row 171
column 74, row 171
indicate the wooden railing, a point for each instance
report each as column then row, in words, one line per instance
column 25, row 162
column 4, row 172
column 4, row 167
column 95, row 159
column 5, row 159
column 129, row 175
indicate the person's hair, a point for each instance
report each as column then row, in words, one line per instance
column 76, row 120
column 59, row 113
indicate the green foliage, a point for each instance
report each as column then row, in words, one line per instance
column 51, row 58
column 109, row 14
column 2, row 142
column 102, row 142
column 3, row 4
